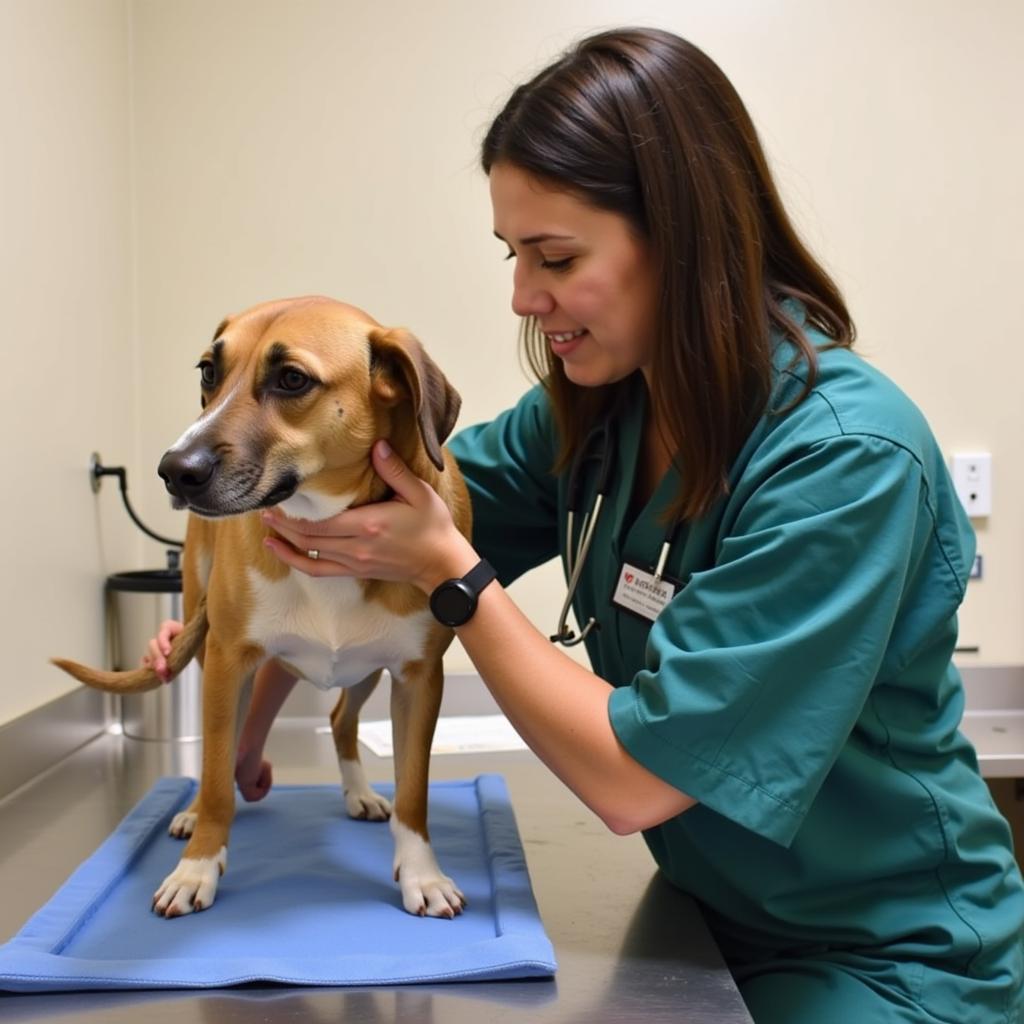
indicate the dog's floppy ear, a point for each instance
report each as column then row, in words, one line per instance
column 400, row 368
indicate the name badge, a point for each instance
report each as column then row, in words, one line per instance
column 638, row 592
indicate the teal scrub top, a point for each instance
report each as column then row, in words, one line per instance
column 800, row 684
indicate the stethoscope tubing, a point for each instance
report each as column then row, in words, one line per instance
column 565, row 636
column 599, row 438
column 597, row 445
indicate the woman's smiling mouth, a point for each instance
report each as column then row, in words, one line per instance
column 564, row 342
column 562, row 336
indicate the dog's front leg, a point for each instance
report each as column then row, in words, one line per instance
column 183, row 824
column 415, row 702
column 192, row 885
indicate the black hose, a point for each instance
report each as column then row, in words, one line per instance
column 122, row 478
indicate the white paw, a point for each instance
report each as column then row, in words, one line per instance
column 367, row 804
column 183, row 824
column 360, row 800
column 192, row 885
column 426, row 890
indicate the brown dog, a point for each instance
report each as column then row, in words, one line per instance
column 294, row 395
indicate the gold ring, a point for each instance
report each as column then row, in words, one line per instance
column 313, row 553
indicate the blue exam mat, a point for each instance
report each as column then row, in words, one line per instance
column 308, row 899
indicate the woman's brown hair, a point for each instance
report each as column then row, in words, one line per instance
column 642, row 123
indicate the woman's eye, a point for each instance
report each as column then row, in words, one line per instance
column 207, row 374
column 562, row 264
column 510, row 255
column 293, row 380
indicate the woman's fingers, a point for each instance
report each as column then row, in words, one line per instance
column 295, row 532
column 159, row 647
column 397, row 475
column 387, row 540
column 169, row 629
column 155, row 659
column 288, row 552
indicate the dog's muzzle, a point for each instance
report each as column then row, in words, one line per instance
column 188, row 474
column 199, row 478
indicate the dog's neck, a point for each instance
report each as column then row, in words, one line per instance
column 315, row 506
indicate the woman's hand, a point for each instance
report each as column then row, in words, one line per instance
column 411, row 538
column 253, row 773
column 159, row 647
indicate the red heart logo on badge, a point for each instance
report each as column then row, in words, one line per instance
column 629, row 577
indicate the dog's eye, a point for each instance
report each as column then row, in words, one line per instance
column 207, row 373
column 293, row 380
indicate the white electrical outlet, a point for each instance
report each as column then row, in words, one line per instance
column 972, row 478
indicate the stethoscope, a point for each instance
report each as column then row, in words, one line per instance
column 597, row 447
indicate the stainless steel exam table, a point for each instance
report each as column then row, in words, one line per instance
column 630, row 948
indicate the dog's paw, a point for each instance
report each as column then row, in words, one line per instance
column 426, row 890
column 192, row 885
column 367, row 805
column 360, row 800
column 430, row 895
column 183, row 824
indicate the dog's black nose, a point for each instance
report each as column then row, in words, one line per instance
column 188, row 473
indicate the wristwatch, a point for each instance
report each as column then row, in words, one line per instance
column 454, row 601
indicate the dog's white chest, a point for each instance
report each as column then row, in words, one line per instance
column 327, row 632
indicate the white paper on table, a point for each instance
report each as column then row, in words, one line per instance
column 460, row 734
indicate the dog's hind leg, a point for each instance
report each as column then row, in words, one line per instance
column 415, row 703
column 360, row 800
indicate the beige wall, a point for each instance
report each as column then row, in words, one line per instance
column 69, row 374
column 329, row 146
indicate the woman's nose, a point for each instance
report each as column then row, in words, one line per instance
column 528, row 299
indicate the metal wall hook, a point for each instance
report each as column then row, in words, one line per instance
column 97, row 471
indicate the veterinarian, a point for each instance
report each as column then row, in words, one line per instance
column 772, row 579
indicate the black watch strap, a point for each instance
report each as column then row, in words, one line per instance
column 479, row 576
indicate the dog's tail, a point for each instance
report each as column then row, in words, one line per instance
column 138, row 680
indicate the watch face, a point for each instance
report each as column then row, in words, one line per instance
column 452, row 603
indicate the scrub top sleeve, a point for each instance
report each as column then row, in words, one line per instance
column 507, row 467
column 758, row 670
